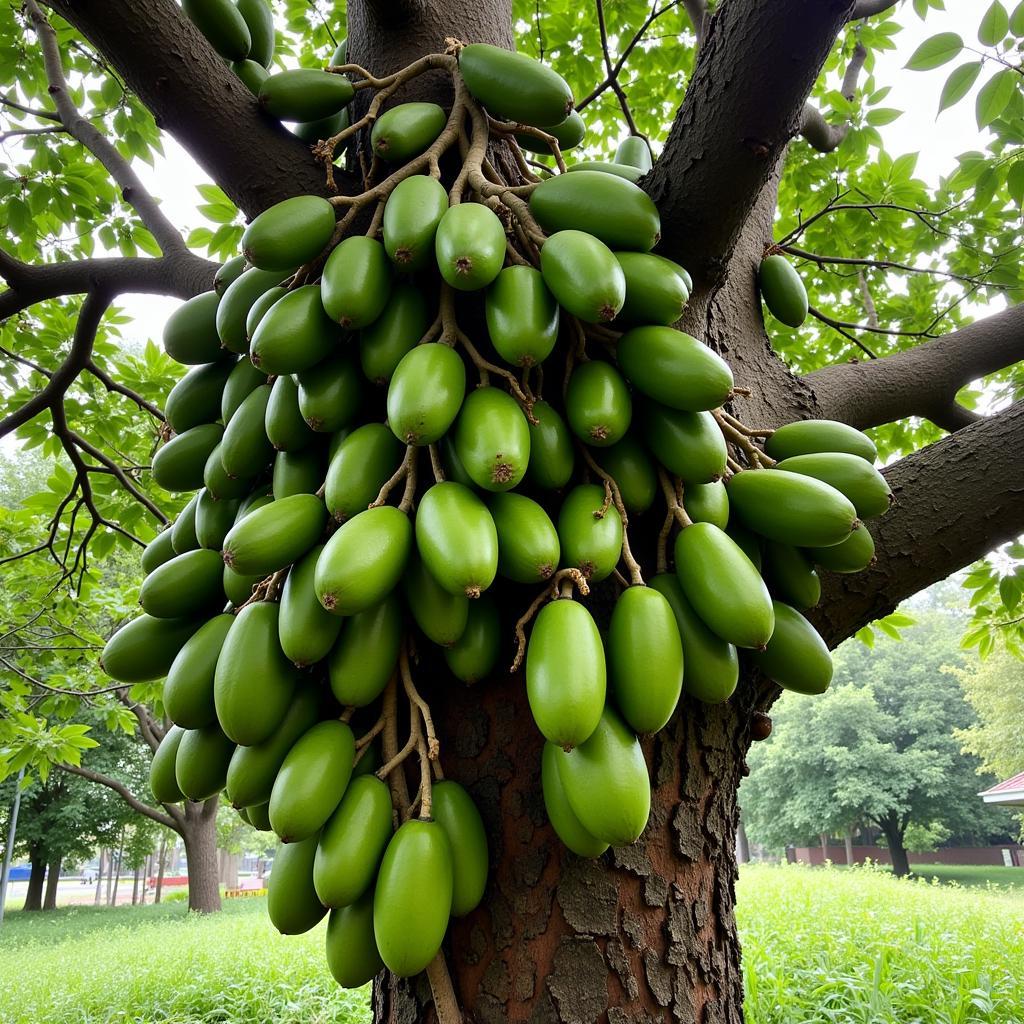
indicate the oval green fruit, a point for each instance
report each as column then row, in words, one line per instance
column 749, row 543
column 229, row 271
column 353, row 842
column 426, row 393
column 598, row 404
column 312, row 781
column 655, row 293
column 551, row 453
column 162, row 780
column 322, row 129
column 855, row 553
column 188, row 689
column 583, row 274
column 492, row 439
column 456, row 538
column 562, row 817
column 634, row 472
column 291, row 898
column 469, row 246
column 411, row 216
column 356, row 282
column 236, row 302
column 259, row 309
column 365, row 655
column 300, row 472
column 796, row 657
column 295, row 334
column 635, row 151
column 352, row 955
column 304, row 94
column 591, row 539
column 522, row 316
column 260, row 21
column 454, row 810
column 195, row 399
column 201, row 764
column 473, row 656
column 806, row 437
column 396, row 331
column 606, row 782
column 178, row 465
column 689, row 445
column 568, row 133
column 187, row 585
column 782, row 290
column 307, row 631
column 252, row 74
column 645, row 658
column 607, row 167
column 286, row 430
column 190, row 333
column 242, row 381
column 707, row 503
column 413, row 897
column 441, row 615
column 363, row 463
column 144, row 648
column 183, row 531
column 157, row 551
column 791, row 575
column 528, row 545
column 259, row 816
column 275, row 535
column 619, row 213
column 363, row 560
column 330, row 393
column 566, row 677
column 289, row 234
column 849, row 474
column 222, row 24
column 245, row 450
column 406, row 131
column 218, row 484
column 515, row 87
column 723, row 586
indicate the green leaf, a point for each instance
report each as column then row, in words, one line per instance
column 994, row 95
column 1015, row 185
column 935, row 51
column 883, row 115
column 1017, row 20
column 994, row 25
column 959, row 83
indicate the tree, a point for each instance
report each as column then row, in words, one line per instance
column 651, row 927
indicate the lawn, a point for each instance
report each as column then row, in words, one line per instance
column 848, row 946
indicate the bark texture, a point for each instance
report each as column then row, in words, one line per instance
column 52, row 881
column 199, row 835
column 37, row 873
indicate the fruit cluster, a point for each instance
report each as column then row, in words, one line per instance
column 331, row 368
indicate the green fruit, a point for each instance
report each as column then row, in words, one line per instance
column 275, row 535
column 162, row 780
column 707, row 503
column 688, row 444
column 362, row 465
column 456, row 538
column 253, row 75
column 356, row 283
column 157, row 551
column 259, row 309
column 674, row 368
column 515, row 87
column 782, row 290
column 239, row 588
column 413, row 897
column 178, row 465
column 808, row 436
column 849, row 474
column 632, row 469
column 329, row 393
column 304, row 94
column 563, row 819
column 568, row 133
column 260, row 21
column 597, row 404
column 791, row 575
column 405, row 131
column 655, row 293
column 631, row 174
column 312, row 781
column 791, row 508
column 218, row 484
column 295, row 334
column 470, row 246
column 645, row 658
column 855, row 553
column 492, row 439
column 322, row 129
column 187, row 585
column 565, row 673
column 411, row 216
column 635, row 151
column 307, row 631
column 796, row 657
column 685, row 275
column 352, row 955
column 195, row 399
column 254, row 681
column 363, row 561
column 300, row 472
column 201, row 764
column 396, row 331
column 183, row 532
column 473, row 656
column 259, row 815
column 353, row 842
column 289, row 234
column 144, row 648
column 723, row 586
column 291, row 899
column 229, row 271
column 591, row 540
column 188, row 690
column 606, row 783
column 454, row 810
column 583, row 274
column 365, row 655
column 190, row 333
column 442, row 616
column 285, row 428
column 236, row 302
column 748, row 541
column 370, row 760
column 711, row 667
column 551, row 453
column 242, row 381
column 522, row 316
column 253, row 769
column 222, row 24
column 528, row 546
column 245, row 450
column 606, row 206
column 425, row 394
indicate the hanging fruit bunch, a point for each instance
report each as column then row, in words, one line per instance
column 406, row 401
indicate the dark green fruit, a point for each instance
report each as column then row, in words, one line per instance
column 791, row 575
column 239, row 588
column 322, row 129
column 522, row 316
column 850, row 475
column 397, row 330
column 607, row 167
column 178, row 465
column 454, row 809
column 201, row 764
column 162, row 780
column 568, row 133
column 259, row 816
column 563, row 819
column 295, row 334
column 707, row 503
column 808, row 436
column 456, row 538
column 188, row 690
column 796, row 657
column 473, row 656
column 528, row 546
column 245, row 450
column 183, row 531
column 365, row 655
column 598, row 404
column 356, row 283
column 286, row 430
column 187, row 585
column 229, row 270
column 583, row 274
column 242, row 381
column 688, row 444
column 300, row 472
column 441, row 615
column 190, row 333
column 492, row 439
column 195, row 399
column 782, row 290
column 144, row 648
column 551, row 453
column 222, row 24
column 362, row 465
column 329, row 393
column 515, row 87
column 157, row 551
column 218, row 484
column 855, row 553
column 655, row 293
column 260, row 21
column 470, row 246
column 259, row 309
column 635, row 151
column 748, row 541
column 405, row 131
column 633, row 470
column 411, row 217
column 289, row 233
column 291, row 899
column 352, row 955
column 304, row 94
column 275, row 535
column 236, row 302
column 426, row 393
column 591, row 538
column 307, row 631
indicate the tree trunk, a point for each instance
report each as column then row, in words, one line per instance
column 34, row 896
column 135, row 887
column 110, row 872
column 848, row 839
column 200, row 837
column 897, row 851
column 115, row 867
column 160, row 868
column 824, row 846
column 52, row 881
column 742, row 845
column 99, row 878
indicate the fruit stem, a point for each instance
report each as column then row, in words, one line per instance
column 435, row 464
column 673, row 499
column 400, row 473
column 551, row 591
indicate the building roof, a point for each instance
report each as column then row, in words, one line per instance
column 1009, row 791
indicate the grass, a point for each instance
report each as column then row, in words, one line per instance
column 971, row 875
column 828, row 946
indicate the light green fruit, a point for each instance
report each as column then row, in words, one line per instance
column 855, row 553
column 583, row 274
column 237, row 300
column 242, row 381
column 568, row 133
column 426, row 393
column 229, row 270
column 304, row 94
column 470, row 246
column 183, row 530
column 356, row 282
column 259, row 309
column 689, row 445
column 456, row 538
column 849, row 474
column 300, row 472
column 528, row 545
column 190, row 333
column 260, row 21
column 562, row 817
column 187, row 585
column 307, row 631
column 590, row 542
column 330, row 393
column 352, row 955
column 782, row 290
column 217, row 482
column 201, row 763
column 259, row 816
column 492, row 439
column 707, row 503
column 473, row 656
column 411, row 216
column 607, row 167
column 188, row 689
column 162, row 780
column 454, row 810
column 144, row 648
column 295, row 334
column 157, row 551
column 796, row 657
column 598, row 404
column 363, row 463
column 245, row 450
column 214, row 518
column 365, row 655
column 289, row 233
column 515, row 87
column 790, row 574
column 195, row 399
column 291, row 898
column 522, row 316
column 551, row 453
column 178, row 465
column 635, row 151
column 406, row 130
column 441, row 615
column 395, row 332
column 275, row 535
column 286, row 430
column 655, row 291
column 633, row 470
column 808, row 436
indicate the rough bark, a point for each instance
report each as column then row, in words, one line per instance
column 894, row 840
column 199, row 835
column 52, row 881
column 37, row 873
column 742, row 845
column 848, row 842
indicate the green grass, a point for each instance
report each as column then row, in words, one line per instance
column 971, row 875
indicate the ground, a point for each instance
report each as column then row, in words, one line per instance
column 838, row 945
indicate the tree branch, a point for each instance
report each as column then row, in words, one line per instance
column 698, row 12
column 825, row 137
column 869, row 8
column 125, row 794
column 924, row 380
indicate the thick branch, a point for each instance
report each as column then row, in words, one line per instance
column 125, row 794
column 921, row 381
column 869, row 8
column 823, row 136
column 698, row 12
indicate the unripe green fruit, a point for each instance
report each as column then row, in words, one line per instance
column 307, row 631
column 304, row 94
column 591, row 539
column 707, row 503
column 190, row 333
column 352, row 955
column 635, row 151
column 405, row 131
column 456, row 539
column 850, row 475
column 633, row 470
column 237, row 300
column 655, row 292
column 157, row 551
column 275, row 535
column 356, row 282
column 808, row 436
column 395, row 332
column 568, row 133
column 245, row 451
column 291, row 899
column 791, row 575
column 365, row 655
column 260, row 22
column 242, row 381
column 515, row 87
column 796, row 657
column 625, row 171
column 222, row 24
column 492, row 439
column 201, row 763
column 470, row 246
column 178, row 465
column 528, row 545
column 583, row 274
column 289, row 233
column 362, row 465
column 229, row 271
column 195, row 399
column 598, row 404
column 441, row 615
column 522, row 316
column 162, row 780
column 563, row 819
column 330, row 393
column 252, row 75
column 855, row 553
column 183, row 530
column 411, row 216
column 551, row 453
column 286, row 430
column 295, row 334
column 454, row 810
column 473, row 656
column 782, row 290
column 426, row 393
column 187, row 585
column 688, row 444
column 144, row 648
column 217, row 482
column 259, row 309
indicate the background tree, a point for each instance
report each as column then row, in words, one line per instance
column 776, row 140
